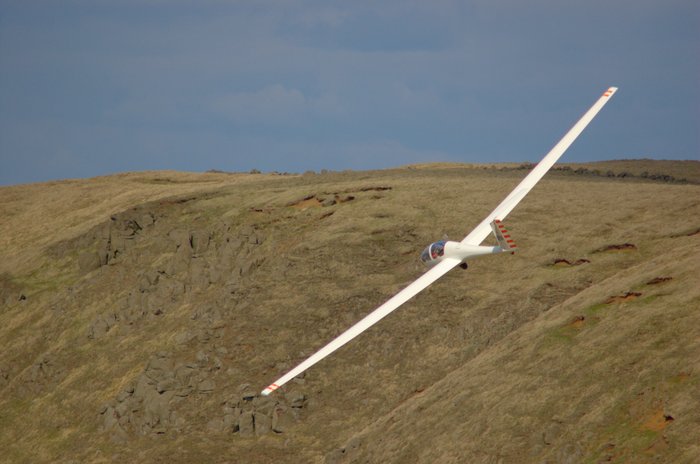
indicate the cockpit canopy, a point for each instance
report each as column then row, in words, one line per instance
column 433, row 251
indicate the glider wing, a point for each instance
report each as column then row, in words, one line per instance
column 482, row 231
column 474, row 238
column 397, row 300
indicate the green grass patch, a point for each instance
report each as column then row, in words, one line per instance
column 595, row 310
column 49, row 277
column 650, row 298
column 629, row 440
column 558, row 335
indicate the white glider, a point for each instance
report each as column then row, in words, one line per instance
column 442, row 256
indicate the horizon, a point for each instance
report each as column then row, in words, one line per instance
column 437, row 164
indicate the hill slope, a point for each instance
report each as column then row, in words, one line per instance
column 142, row 313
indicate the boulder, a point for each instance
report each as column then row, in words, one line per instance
column 246, row 426
column 281, row 419
column 206, row 386
column 230, row 420
column 200, row 240
column 88, row 261
column 263, row 423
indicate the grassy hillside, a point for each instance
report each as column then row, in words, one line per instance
column 141, row 314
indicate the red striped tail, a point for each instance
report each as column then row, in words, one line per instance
column 505, row 241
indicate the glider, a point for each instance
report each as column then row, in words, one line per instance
column 442, row 256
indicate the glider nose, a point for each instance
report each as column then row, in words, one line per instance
column 433, row 253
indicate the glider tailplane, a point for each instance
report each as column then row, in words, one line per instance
column 505, row 241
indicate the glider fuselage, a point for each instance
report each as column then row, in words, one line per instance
column 437, row 251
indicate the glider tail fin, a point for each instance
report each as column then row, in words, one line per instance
column 505, row 241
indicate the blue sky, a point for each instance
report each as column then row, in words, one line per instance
column 96, row 87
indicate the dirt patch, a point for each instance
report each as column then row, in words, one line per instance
column 681, row 377
column 306, row 203
column 617, row 247
column 657, row 421
column 659, row 280
column 314, row 201
column 628, row 296
column 376, row 189
column 578, row 322
column 562, row 262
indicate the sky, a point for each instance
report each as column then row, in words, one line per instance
column 94, row 87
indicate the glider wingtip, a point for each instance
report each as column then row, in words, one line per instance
column 610, row 92
column 269, row 389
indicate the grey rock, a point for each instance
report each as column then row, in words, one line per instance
column 185, row 391
column 265, row 405
column 180, row 237
column 148, row 280
column 109, row 418
column 183, row 338
column 201, row 358
column 282, row 419
column 143, row 385
column 122, row 409
column 88, row 261
column 199, row 273
column 248, row 395
column 245, row 424
column 263, row 423
column 206, row 386
column 216, row 274
column 156, row 410
column 200, row 240
column 183, row 373
column 159, row 368
column 230, row 420
column 180, row 261
column 167, row 385
column 124, row 394
column 296, row 399
column 102, row 324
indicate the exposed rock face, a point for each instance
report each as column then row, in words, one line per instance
column 156, row 401
column 151, row 403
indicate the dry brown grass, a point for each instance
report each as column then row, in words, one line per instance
column 514, row 359
column 36, row 215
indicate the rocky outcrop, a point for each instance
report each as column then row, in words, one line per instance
column 251, row 415
column 151, row 403
column 147, row 405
